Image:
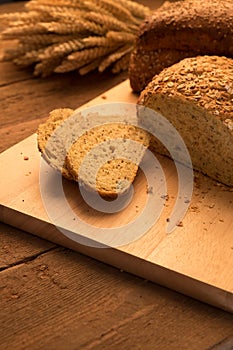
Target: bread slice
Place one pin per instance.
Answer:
(114, 153)
(196, 96)
(178, 30)
(115, 150)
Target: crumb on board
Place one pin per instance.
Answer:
(165, 196)
(25, 158)
(194, 208)
(104, 97)
(180, 224)
(212, 205)
(14, 296)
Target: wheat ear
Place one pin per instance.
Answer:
(58, 36)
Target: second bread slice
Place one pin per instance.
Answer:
(114, 152)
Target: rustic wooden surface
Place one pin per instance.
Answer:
(52, 297)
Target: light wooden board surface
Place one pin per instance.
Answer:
(195, 259)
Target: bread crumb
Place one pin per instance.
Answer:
(180, 224)
(194, 208)
(14, 296)
(165, 196)
(25, 158)
(212, 205)
(43, 267)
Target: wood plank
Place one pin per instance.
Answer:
(52, 302)
(11, 74)
(195, 259)
(16, 248)
(15, 6)
(36, 98)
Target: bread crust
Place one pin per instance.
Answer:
(45, 131)
(178, 30)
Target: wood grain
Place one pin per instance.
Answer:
(17, 248)
(100, 308)
(33, 99)
(57, 305)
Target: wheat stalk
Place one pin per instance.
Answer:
(58, 36)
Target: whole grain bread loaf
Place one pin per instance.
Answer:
(196, 96)
(179, 30)
(114, 149)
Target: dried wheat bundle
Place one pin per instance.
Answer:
(65, 35)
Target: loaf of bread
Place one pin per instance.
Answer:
(196, 96)
(179, 30)
(114, 149)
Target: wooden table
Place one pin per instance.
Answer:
(54, 298)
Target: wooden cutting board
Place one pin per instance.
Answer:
(195, 259)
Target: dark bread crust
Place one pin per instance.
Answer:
(178, 30)
(145, 64)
